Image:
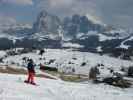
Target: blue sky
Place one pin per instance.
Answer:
(22, 13)
(112, 12)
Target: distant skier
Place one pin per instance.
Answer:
(31, 72)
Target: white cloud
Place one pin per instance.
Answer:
(55, 3)
(112, 12)
(68, 7)
(18, 2)
(7, 20)
(94, 19)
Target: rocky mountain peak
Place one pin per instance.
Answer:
(46, 23)
(43, 13)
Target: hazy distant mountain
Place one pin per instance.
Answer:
(50, 31)
(80, 24)
(46, 23)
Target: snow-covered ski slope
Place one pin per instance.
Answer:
(13, 88)
(68, 59)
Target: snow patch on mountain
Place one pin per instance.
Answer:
(126, 46)
(2, 54)
(119, 33)
(11, 37)
(103, 37)
(43, 36)
(83, 36)
(72, 45)
(99, 49)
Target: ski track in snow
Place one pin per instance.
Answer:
(13, 88)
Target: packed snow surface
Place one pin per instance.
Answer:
(13, 88)
(66, 60)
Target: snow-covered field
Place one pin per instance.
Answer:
(13, 88)
(66, 60)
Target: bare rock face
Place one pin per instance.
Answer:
(94, 71)
(130, 71)
(80, 24)
(46, 23)
(118, 82)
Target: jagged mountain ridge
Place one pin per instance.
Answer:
(49, 30)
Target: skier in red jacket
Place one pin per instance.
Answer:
(31, 72)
